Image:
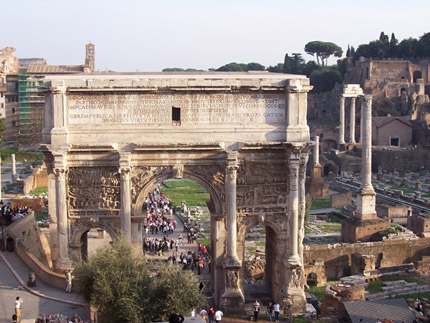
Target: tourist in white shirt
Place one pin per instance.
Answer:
(218, 316)
(276, 309)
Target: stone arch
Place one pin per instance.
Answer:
(417, 75)
(217, 207)
(273, 249)
(80, 227)
(312, 279)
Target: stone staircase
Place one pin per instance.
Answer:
(396, 288)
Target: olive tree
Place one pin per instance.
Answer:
(123, 287)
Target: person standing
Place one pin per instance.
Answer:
(270, 311)
(211, 314)
(218, 316)
(276, 309)
(69, 279)
(256, 306)
(18, 304)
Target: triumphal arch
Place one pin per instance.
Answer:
(109, 138)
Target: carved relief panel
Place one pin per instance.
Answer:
(262, 185)
(93, 191)
(213, 175)
(140, 176)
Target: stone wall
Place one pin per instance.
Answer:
(354, 230)
(36, 204)
(389, 212)
(419, 224)
(338, 257)
(341, 199)
(410, 160)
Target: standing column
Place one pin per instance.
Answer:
(293, 203)
(13, 166)
(125, 202)
(366, 198)
(352, 122)
(366, 159)
(317, 151)
(230, 200)
(63, 261)
(361, 121)
(0, 180)
(342, 121)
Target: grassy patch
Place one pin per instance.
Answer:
(15, 187)
(20, 156)
(39, 191)
(41, 215)
(320, 204)
(328, 228)
(317, 291)
(334, 218)
(185, 190)
(307, 230)
(375, 286)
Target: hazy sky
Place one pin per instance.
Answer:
(149, 35)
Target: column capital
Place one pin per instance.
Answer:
(124, 171)
(60, 172)
(367, 99)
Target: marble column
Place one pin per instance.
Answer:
(352, 122)
(293, 204)
(342, 121)
(232, 298)
(13, 166)
(317, 151)
(366, 208)
(1, 189)
(361, 121)
(125, 202)
(63, 261)
(230, 200)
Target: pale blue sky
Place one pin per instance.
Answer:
(149, 35)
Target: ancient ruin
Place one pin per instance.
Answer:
(108, 139)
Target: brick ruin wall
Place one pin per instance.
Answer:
(337, 258)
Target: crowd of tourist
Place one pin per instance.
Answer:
(10, 215)
(58, 318)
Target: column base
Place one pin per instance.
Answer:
(293, 261)
(233, 301)
(62, 265)
(294, 302)
(231, 262)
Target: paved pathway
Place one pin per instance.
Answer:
(41, 299)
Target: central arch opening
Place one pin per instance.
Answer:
(177, 225)
(92, 240)
(259, 256)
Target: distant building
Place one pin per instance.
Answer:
(24, 104)
(391, 131)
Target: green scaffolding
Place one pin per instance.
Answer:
(29, 97)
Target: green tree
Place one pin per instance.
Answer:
(233, 67)
(255, 67)
(324, 79)
(323, 50)
(279, 68)
(124, 288)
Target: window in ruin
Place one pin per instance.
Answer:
(395, 141)
(176, 116)
(13, 110)
(417, 75)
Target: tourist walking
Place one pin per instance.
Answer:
(256, 306)
(18, 305)
(218, 316)
(276, 309)
(270, 311)
(69, 279)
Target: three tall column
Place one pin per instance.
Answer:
(342, 121)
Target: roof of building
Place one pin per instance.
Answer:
(54, 69)
(24, 62)
(370, 311)
(382, 121)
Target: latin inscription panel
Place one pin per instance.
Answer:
(156, 109)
